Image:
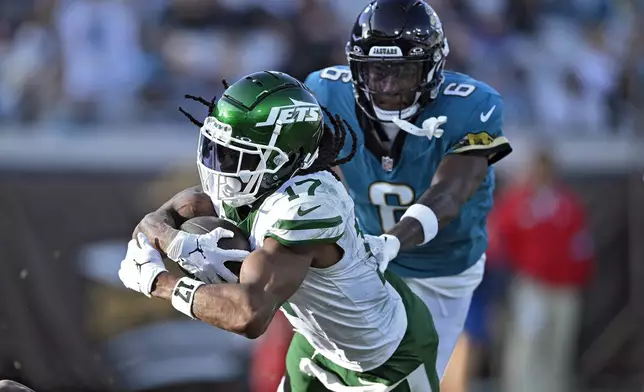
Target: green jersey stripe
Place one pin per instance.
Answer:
(307, 224)
(288, 309)
(285, 242)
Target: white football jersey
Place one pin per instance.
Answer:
(348, 312)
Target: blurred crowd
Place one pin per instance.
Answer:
(565, 67)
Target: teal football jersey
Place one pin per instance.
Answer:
(382, 188)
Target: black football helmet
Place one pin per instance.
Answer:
(396, 53)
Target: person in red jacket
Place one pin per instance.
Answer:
(542, 229)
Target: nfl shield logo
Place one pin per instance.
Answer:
(387, 164)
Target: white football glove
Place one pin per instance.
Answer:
(384, 248)
(430, 128)
(200, 255)
(141, 265)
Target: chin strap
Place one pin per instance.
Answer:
(389, 115)
(430, 128)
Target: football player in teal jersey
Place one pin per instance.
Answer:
(427, 139)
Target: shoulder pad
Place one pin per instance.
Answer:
(475, 114)
(467, 103)
(309, 209)
(457, 85)
(327, 82)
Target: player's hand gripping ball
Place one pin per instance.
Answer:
(218, 248)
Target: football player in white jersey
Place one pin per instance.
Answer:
(264, 159)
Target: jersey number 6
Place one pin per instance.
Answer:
(334, 73)
(459, 89)
(392, 200)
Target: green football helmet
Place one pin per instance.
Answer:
(264, 128)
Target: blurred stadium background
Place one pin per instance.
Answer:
(91, 140)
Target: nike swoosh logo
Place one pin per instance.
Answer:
(302, 212)
(486, 116)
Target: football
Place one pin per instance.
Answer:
(206, 224)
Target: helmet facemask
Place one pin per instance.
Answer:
(392, 87)
(396, 87)
(232, 169)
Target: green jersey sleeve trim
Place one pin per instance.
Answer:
(308, 224)
(286, 242)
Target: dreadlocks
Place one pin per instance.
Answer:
(210, 105)
(331, 144)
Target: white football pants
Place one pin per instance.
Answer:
(448, 299)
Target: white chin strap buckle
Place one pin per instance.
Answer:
(230, 186)
(430, 128)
